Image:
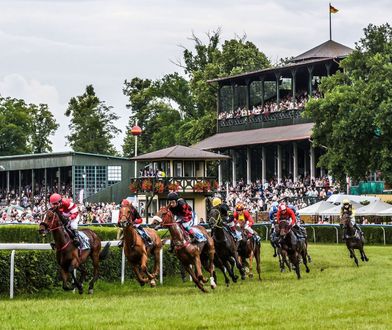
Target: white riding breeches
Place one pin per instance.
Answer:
(74, 223)
(249, 229)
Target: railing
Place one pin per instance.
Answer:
(29, 246)
(336, 227)
(284, 117)
(157, 185)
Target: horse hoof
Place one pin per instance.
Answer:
(80, 291)
(250, 275)
(153, 283)
(90, 291)
(274, 255)
(243, 277)
(282, 270)
(308, 270)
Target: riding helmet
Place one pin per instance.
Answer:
(55, 198)
(216, 201)
(172, 196)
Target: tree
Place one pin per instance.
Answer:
(15, 127)
(353, 120)
(43, 125)
(181, 108)
(91, 128)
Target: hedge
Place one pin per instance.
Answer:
(37, 270)
(29, 233)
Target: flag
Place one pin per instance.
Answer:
(333, 10)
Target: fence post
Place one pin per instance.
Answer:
(12, 272)
(161, 265)
(383, 234)
(266, 232)
(122, 266)
(337, 235)
(314, 234)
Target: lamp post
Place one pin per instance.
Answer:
(136, 131)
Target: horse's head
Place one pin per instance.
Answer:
(345, 219)
(164, 217)
(284, 228)
(214, 218)
(50, 221)
(125, 216)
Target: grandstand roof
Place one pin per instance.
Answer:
(328, 49)
(180, 152)
(257, 136)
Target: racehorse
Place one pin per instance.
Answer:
(68, 256)
(354, 240)
(190, 254)
(292, 247)
(136, 250)
(247, 249)
(225, 247)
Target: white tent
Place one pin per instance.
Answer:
(386, 213)
(314, 209)
(335, 211)
(375, 209)
(337, 198)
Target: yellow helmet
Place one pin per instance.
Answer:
(216, 201)
(346, 201)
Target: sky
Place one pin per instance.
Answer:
(50, 50)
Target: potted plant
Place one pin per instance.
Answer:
(174, 186)
(147, 185)
(134, 186)
(159, 187)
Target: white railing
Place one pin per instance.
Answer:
(42, 246)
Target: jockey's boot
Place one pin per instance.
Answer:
(171, 247)
(257, 238)
(74, 237)
(53, 245)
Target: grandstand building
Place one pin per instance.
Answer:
(260, 122)
(85, 177)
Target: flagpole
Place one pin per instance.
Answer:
(330, 28)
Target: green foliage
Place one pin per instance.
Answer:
(182, 110)
(15, 127)
(353, 121)
(92, 124)
(43, 125)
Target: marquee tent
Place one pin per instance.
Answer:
(316, 208)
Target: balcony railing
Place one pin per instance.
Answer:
(156, 185)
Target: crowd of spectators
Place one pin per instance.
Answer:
(286, 103)
(258, 197)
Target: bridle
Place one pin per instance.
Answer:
(54, 225)
(128, 221)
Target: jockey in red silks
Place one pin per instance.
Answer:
(285, 213)
(136, 222)
(245, 220)
(181, 209)
(69, 214)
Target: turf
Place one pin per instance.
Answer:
(334, 295)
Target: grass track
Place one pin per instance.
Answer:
(334, 295)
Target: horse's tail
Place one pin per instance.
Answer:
(105, 252)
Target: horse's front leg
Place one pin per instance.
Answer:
(363, 255)
(251, 265)
(195, 278)
(352, 255)
(65, 277)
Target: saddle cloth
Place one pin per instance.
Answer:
(84, 241)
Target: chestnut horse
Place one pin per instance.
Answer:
(68, 256)
(293, 248)
(190, 254)
(354, 240)
(247, 249)
(136, 251)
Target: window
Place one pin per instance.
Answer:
(114, 173)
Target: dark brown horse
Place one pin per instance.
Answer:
(354, 239)
(68, 256)
(293, 248)
(191, 254)
(248, 249)
(226, 247)
(136, 250)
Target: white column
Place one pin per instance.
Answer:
(312, 158)
(219, 171)
(248, 166)
(295, 162)
(263, 165)
(233, 165)
(305, 163)
(279, 165)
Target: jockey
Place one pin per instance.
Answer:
(136, 222)
(285, 213)
(181, 209)
(272, 218)
(301, 230)
(347, 208)
(69, 215)
(227, 217)
(244, 219)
